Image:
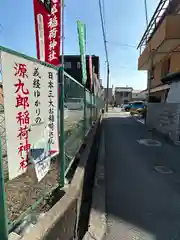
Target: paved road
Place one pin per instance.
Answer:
(141, 202)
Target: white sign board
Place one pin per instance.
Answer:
(31, 104)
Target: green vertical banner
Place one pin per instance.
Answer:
(82, 46)
(81, 28)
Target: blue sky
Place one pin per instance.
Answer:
(125, 24)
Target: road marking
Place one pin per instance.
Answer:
(150, 142)
(163, 170)
(141, 121)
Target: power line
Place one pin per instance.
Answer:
(122, 44)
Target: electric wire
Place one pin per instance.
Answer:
(122, 44)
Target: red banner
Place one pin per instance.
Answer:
(48, 31)
(90, 72)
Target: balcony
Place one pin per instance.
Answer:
(165, 40)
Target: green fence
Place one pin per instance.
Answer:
(23, 195)
(74, 120)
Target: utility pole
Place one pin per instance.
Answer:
(107, 97)
(149, 75)
(106, 52)
(146, 12)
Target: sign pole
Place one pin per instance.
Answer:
(91, 106)
(91, 101)
(62, 139)
(85, 107)
(3, 215)
(61, 81)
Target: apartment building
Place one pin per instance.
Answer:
(123, 95)
(138, 95)
(160, 48)
(72, 65)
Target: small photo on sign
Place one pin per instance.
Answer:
(40, 152)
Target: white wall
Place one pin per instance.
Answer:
(174, 93)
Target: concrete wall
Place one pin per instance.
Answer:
(165, 118)
(157, 75)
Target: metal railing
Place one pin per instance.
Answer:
(24, 195)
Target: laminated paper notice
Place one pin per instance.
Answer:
(40, 154)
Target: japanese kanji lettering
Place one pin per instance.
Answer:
(20, 87)
(53, 30)
(22, 117)
(37, 94)
(22, 101)
(53, 22)
(51, 108)
(21, 70)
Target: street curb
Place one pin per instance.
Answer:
(97, 219)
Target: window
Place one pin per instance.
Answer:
(78, 65)
(67, 65)
(126, 94)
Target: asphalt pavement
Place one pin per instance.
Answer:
(142, 175)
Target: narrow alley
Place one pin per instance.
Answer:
(142, 181)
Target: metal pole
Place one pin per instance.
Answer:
(151, 67)
(62, 138)
(85, 115)
(91, 108)
(150, 75)
(146, 12)
(61, 80)
(107, 97)
(3, 212)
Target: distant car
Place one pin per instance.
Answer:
(125, 107)
(136, 107)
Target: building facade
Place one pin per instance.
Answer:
(122, 95)
(160, 48)
(72, 65)
(138, 95)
